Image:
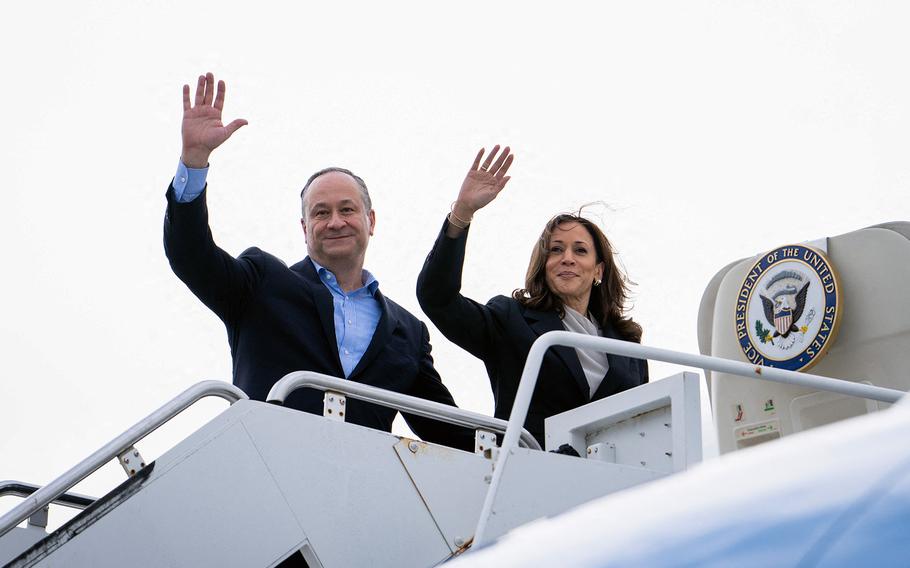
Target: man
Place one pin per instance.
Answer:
(323, 314)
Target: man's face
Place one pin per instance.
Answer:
(335, 223)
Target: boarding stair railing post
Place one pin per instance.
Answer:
(39, 517)
(401, 402)
(637, 351)
(116, 447)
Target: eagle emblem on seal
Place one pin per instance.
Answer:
(784, 308)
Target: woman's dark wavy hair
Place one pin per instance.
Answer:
(608, 301)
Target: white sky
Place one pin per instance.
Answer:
(714, 130)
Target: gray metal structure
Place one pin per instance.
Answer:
(617, 347)
(20, 539)
(260, 482)
(401, 402)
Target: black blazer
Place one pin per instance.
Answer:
(281, 319)
(501, 333)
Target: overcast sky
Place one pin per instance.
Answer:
(713, 130)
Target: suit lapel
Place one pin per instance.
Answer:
(325, 306)
(542, 322)
(617, 364)
(380, 337)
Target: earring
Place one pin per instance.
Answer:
(597, 281)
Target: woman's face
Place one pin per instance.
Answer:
(572, 265)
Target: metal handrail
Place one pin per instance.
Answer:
(23, 489)
(629, 349)
(398, 401)
(115, 447)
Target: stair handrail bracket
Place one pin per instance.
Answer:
(637, 351)
(401, 402)
(115, 447)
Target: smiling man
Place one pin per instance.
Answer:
(325, 313)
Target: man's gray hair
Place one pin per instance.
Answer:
(364, 193)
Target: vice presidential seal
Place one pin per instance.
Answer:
(788, 308)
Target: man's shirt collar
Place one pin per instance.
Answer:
(328, 278)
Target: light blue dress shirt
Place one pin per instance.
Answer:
(356, 316)
(189, 182)
(357, 312)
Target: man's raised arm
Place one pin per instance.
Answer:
(213, 275)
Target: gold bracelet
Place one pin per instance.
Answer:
(461, 223)
(453, 222)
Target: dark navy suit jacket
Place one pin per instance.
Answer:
(281, 319)
(501, 332)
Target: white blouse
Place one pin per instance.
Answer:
(594, 363)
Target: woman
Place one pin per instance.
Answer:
(572, 284)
